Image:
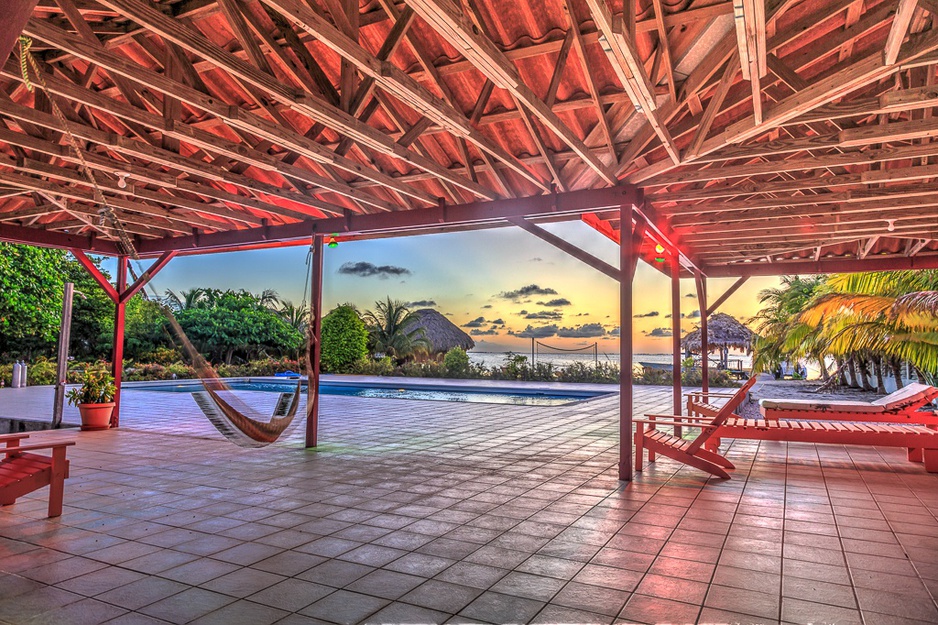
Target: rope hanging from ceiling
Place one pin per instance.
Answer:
(236, 421)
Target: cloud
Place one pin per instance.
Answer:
(487, 306)
(694, 315)
(538, 333)
(475, 323)
(690, 295)
(363, 269)
(478, 332)
(498, 321)
(527, 291)
(536, 259)
(614, 331)
(668, 316)
(560, 301)
(653, 313)
(522, 312)
(585, 331)
(423, 303)
(660, 332)
(545, 314)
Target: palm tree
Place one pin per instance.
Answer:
(185, 300)
(388, 325)
(889, 314)
(296, 316)
(782, 336)
(269, 299)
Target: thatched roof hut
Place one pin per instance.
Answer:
(442, 334)
(723, 333)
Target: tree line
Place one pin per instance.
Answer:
(867, 325)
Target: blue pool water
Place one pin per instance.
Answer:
(432, 393)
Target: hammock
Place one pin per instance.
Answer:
(231, 417)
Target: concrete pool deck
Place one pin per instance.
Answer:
(418, 511)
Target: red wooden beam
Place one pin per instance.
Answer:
(59, 240)
(571, 249)
(627, 260)
(15, 15)
(117, 361)
(701, 281)
(726, 294)
(824, 265)
(146, 276)
(676, 338)
(99, 277)
(315, 320)
(476, 215)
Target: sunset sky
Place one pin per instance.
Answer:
(495, 284)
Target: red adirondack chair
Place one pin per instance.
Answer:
(690, 452)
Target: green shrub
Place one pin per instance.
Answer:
(161, 356)
(456, 363)
(41, 371)
(344, 340)
(367, 366)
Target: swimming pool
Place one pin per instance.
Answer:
(430, 392)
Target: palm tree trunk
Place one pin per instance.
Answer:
(841, 371)
(852, 373)
(878, 369)
(896, 367)
(865, 383)
(822, 365)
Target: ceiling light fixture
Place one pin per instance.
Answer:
(890, 225)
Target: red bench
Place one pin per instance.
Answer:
(22, 471)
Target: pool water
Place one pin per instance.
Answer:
(432, 393)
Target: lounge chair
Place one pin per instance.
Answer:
(22, 471)
(693, 453)
(901, 406)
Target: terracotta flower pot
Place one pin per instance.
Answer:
(95, 416)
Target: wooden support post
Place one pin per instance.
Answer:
(726, 295)
(118, 358)
(704, 337)
(61, 364)
(626, 254)
(676, 338)
(315, 348)
(15, 15)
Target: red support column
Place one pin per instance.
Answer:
(315, 320)
(676, 335)
(626, 258)
(118, 359)
(704, 337)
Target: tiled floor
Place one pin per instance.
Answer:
(415, 512)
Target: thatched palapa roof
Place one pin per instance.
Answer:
(442, 334)
(723, 331)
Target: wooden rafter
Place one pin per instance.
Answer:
(456, 28)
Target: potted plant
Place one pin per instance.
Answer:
(95, 399)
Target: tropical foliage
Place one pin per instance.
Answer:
(226, 323)
(344, 339)
(866, 322)
(391, 325)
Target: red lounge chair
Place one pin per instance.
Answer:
(22, 471)
(901, 406)
(656, 441)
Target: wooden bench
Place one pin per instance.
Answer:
(22, 471)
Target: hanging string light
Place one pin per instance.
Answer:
(659, 253)
(332, 242)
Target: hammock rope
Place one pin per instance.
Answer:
(229, 416)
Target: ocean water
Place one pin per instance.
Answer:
(492, 359)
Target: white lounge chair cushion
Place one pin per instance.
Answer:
(814, 405)
(908, 395)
